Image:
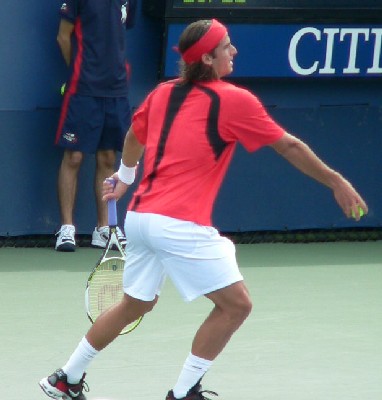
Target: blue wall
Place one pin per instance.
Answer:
(340, 119)
(31, 72)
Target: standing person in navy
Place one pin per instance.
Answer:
(95, 113)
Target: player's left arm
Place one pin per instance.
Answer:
(301, 156)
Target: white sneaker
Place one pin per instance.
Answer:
(100, 236)
(65, 240)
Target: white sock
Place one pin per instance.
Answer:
(79, 361)
(193, 370)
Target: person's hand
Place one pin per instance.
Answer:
(349, 200)
(113, 188)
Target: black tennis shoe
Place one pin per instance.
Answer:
(56, 386)
(195, 393)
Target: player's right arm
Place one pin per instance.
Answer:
(131, 154)
(132, 149)
(65, 31)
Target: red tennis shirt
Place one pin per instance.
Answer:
(190, 133)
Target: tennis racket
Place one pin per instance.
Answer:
(104, 286)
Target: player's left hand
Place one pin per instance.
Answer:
(349, 199)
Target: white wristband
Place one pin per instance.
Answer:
(126, 174)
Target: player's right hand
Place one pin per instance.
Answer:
(113, 188)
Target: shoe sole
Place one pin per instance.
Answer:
(98, 244)
(66, 247)
(51, 391)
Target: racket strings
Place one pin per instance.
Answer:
(106, 287)
(105, 284)
(108, 295)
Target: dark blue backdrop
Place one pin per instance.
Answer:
(340, 119)
(264, 50)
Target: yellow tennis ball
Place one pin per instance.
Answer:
(361, 213)
(63, 87)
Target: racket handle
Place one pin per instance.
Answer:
(112, 207)
(112, 212)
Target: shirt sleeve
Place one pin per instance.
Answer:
(140, 120)
(248, 122)
(69, 10)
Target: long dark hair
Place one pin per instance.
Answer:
(197, 71)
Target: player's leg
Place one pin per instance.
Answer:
(69, 380)
(67, 190)
(145, 273)
(232, 307)
(109, 324)
(201, 262)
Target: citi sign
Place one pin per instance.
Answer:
(336, 51)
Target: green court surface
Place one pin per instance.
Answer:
(315, 332)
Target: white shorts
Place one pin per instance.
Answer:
(196, 258)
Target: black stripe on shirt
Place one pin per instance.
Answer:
(177, 97)
(217, 143)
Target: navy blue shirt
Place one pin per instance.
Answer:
(98, 64)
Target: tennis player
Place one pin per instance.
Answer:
(188, 128)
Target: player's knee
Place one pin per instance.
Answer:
(140, 307)
(151, 304)
(244, 308)
(239, 309)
